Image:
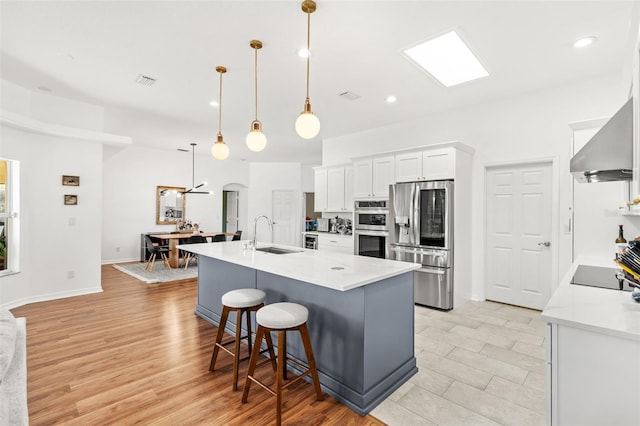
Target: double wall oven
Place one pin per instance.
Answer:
(421, 231)
(370, 228)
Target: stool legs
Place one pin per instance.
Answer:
(282, 365)
(236, 352)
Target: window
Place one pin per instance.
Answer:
(9, 225)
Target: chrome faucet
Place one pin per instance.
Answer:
(255, 224)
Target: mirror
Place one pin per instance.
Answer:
(170, 205)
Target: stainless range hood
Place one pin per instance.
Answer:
(608, 154)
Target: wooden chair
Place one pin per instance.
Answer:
(237, 236)
(194, 239)
(154, 250)
(218, 238)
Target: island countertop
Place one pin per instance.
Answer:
(603, 310)
(337, 271)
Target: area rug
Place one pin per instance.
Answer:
(160, 273)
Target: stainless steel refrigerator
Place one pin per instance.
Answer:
(421, 231)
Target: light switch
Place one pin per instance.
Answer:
(72, 221)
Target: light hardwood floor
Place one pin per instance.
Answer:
(136, 353)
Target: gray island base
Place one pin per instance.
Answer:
(363, 338)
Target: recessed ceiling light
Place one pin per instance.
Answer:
(214, 103)
(391, 99)
(303, 53)
(585, 41)
(448, 59)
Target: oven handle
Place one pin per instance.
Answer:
(431, 271)
(372, 233)
(417, 251)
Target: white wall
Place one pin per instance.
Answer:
(528, 127)
(131, 175)
(266, 178)
(50, 247)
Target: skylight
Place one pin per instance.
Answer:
(448, 59)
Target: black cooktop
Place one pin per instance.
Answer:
(598, 276)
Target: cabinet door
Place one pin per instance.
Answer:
(408, 167)
(348, 189)
(362, 179)
(438, 164)
(382, 176)
(320, 190)
(335, 189)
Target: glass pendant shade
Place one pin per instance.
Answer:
(220, 150)
(256, 140)
(307, 125)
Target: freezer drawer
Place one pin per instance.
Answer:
(433, 287)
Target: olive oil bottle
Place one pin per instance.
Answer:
(621, 242)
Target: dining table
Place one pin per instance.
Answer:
(174, 239)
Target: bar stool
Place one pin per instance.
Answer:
(280, 318)
(240, 301)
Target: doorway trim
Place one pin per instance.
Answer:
(555, 215)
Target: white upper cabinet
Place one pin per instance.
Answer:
(333, 189)
(430, 164)
(320, 190)
(372, 177)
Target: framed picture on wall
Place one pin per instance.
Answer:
(70, 200)
(70, 180)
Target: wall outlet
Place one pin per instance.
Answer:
(71, 274)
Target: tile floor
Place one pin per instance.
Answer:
(479, 364)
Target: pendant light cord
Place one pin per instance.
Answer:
(255, 49)
(308, 49)
(220, 108)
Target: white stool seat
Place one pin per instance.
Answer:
(243, 298)
(282, 315)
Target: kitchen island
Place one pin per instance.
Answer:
(360, 311)
(593, 355)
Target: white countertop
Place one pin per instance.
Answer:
(338, 271)
(595, 309)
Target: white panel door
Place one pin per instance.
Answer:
(518, 226)
(283, 205)
(232, 211)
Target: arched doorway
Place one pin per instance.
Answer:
(234, 207)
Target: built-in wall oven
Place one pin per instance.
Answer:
(370, 228)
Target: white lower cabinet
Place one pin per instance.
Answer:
(335, 243)
(592, 378)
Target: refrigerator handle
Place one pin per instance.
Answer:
(415, 201)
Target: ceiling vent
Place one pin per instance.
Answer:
(143, 80)
(349, 95)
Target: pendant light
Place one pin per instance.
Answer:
(256, 140)
(307, 124)
(220, 150)
(194, 187)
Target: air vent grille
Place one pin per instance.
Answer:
(349, 95)
(143, 80)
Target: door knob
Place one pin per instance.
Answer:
(546, 244)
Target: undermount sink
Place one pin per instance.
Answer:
(277, 250)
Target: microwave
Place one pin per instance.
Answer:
(371, 215)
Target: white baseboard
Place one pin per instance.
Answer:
(50, 296)
(111, 262)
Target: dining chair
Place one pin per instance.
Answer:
(154, 250)
(194, 239)
(218, 238)
(237, 236)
